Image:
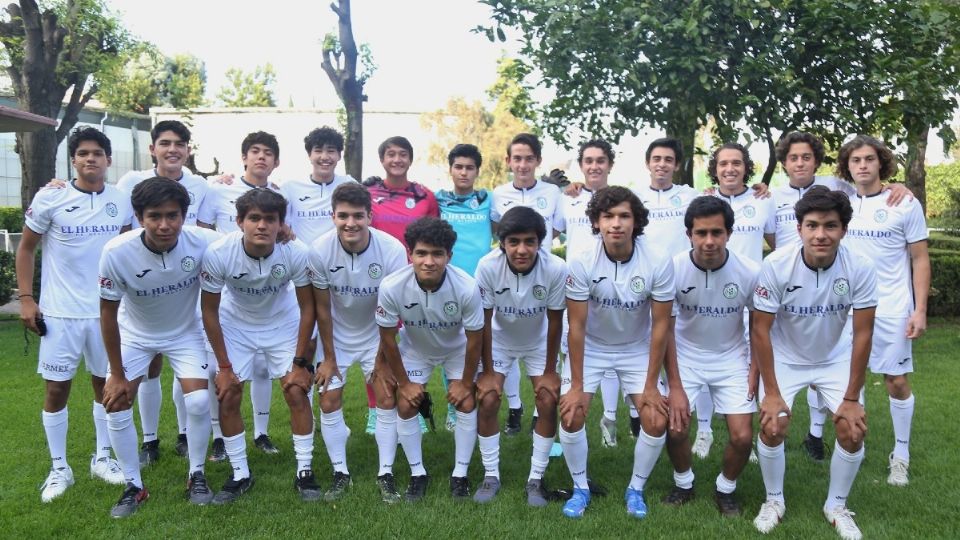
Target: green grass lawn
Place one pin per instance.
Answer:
(925, 509)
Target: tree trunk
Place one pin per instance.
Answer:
(353, 145)
(38, 151)
(771, 160)
(915, 174)
(683, 127)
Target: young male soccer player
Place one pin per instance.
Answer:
(619, 300)
(170, 150)
(714, 286)
(248, 307)
(801, 154)
(260, 153)
(347, 266)
(524, 155)
(895, 238)
(156, 272)
(595, 158)
(729, 169)
(802, 300)
(72, 225)
(439, 306)
(467, 210)
(523, 290)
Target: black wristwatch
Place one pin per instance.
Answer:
(303, 362)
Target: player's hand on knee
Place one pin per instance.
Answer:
(771, 409)
(855, 417)
(571, 406)
(299, 377)
(487, 384)
(651, 397)
(116, 394)
(326, 372)
(226, 381)
(548, 387)
(412, 393)
(458, 391)
(679, 407)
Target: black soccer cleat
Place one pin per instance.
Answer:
(513, 422)
(813, 446)
(233, 490)
(459, 487)
(388, 489)
(265, 445)
(727, 504)
(131, 499)
(417, 489)
(149, 452)
(679, 496)
(218, 451)
(307, 486)
(341, 482)
(181, 446)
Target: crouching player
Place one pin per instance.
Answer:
(714, 285)
(156, 272)
(619, 300)
(442, 317)
(251, 273)
(523, 291)
(802, 299)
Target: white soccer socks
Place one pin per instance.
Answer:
(575, 452)
(411, 438)
(465, 439)
(540, 457)
(335, 433)
(55, 425)
(387, 437)
(102, 432)
(646, 451)
(843, 471)
(261, 392)
(236, 447)
(197, 405)
(123, 438)
(773, 466)
(149, 398)
(901, 412)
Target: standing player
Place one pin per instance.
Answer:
(714, 286)
(596, 160)
(72, 226)
(524, 155)
(523, 292)
(801, 154)
(259, 313)
(156, 272)
(619, 299)
(347, 266)
(170, 150)
(895, 238)
(803, 297)
(467, 210)
(260, 153)
(442, 316)
(729, 169)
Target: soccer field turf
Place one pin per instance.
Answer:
(927, 508)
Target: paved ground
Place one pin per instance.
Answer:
(13, 308)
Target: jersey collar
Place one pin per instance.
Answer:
(664, 190)
(535, 182)
(254, 186)
(143, 240)
(443, 279)
(871, 195)
(362, 251)
(735, 195)
(157, 173)
(81, 190)
(717, 269)
(536, 261)
(254, 257)
(633, 251)
(818, 270)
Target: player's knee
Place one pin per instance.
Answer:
(769, 438)
(654, 422)
(406, 410)
(197, 402)
(58, 392)
(545, 400)
(897, 386)
(490, 401)
(741, 438)
(330, 401)
(575, 424)
(467, 405)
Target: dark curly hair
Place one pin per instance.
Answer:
(888, 163)
(706, 206)
(747, 162)
(603, 145)
(353, 194)
(606, 198)
(324, 136)
(431, 231)
(156, 191)
(794, 137)
(88, 134)
(822, 199)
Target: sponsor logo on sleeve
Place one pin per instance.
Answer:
(106, 283)
(761, 291)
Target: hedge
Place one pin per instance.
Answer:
(11, 218)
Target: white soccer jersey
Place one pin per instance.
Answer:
(255, 290)
(159, 290)
(433, 322)
(76, 225)
(667, 208)
(520, 301)
(311, 213)
(752, 218)
(619, 294)
(576, 224)
(542, 197)
(219, 207)
(709, 328)
(882, 233)
(196, 187)
(785, 197)
(812, 304)
(354, 280)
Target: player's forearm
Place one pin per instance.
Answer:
(554, 334)
(486, 352)
(670, 363)
(762, 355)
(660, 336)
(575, 348)
(862, 344)
(471, 357)
(921, 281)
(391, 352)
(307, 320)
(110, 331)
(324, 321)
(25, 268)
(210, 315)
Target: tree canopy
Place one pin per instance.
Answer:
(249, 88)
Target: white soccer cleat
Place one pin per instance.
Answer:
(842, 519)
(608, 432)
(898, 471)
(753, 456)
(56, 483)
(770, 515)
(701, 447)
(108, 470)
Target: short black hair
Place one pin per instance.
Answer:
(822, 199)
(260, 137)
(175, 126)
(324, 136)
(265, 199)
(398, 141)
(431, 231)
(606, 198)
(596, 143)
(744, 153)
(156, 191)
(706, 206)
(88, 134)
(353, 194)
(465, 151)
(530, 140)
(888, 163)
(666, 142)
(796, 137)
(521, 219)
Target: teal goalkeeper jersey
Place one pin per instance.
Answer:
(469, 215)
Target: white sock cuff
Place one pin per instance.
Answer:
(768, 451)
(468, 420)
(408, 426)
(854, 457)
(232, 438)
(332, 418)
(387, 415)
(683, 479)
(55, 418)
(99, 411)
(119, 420)
(902, 403)
(725, 485)
(540, 439)
(649, 440)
